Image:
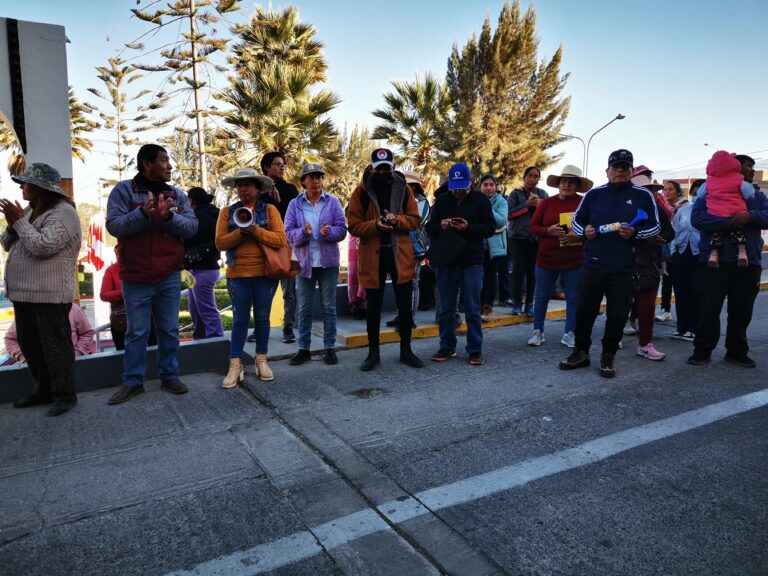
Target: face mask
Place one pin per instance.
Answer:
(381, 180)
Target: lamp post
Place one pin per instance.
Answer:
(586, 153)
(583, 150)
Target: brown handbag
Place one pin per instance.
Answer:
(278, 263)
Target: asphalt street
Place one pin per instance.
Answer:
(514, 467)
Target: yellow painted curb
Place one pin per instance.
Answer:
(390, 335)
(6, 313)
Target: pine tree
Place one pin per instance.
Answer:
(185, 57)
(508, 108)
(121, 118)
(274, 92)
(414, 123)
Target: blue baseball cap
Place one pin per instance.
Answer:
(459, 177)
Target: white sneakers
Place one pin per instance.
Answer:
(664, 317)
(537, 339)
(650, 352)
(569, 339)
(631, 328)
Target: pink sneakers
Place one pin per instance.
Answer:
(650, 352)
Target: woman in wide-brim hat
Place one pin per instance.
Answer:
(561, 252)
(314, 225)
(248, 285)
(43, 241)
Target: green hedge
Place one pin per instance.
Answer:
(226, 321)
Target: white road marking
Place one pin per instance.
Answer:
(303, 545)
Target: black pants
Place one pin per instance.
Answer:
(375, 298)
(740, 286)
(617, 289)
(504, 293)
(45, 339)
(427, 287)
(666, 288)
(685, 269)
(523, 266)
(492, 269)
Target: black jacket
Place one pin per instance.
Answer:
(201, 247)
(476, 210)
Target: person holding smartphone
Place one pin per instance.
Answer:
(467, 213)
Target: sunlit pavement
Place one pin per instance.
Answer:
(514, 467)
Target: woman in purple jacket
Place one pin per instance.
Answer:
(314, 225)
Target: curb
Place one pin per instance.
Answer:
(390, 335)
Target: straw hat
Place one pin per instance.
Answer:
(265, 182)
(570, 171)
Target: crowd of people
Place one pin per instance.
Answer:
(619, 242)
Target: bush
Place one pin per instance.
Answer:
(221, 296)
(86, 288)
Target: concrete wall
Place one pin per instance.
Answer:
(44, 83)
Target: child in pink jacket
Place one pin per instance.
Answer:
(726, 194)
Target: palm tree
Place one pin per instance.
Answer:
(414, 122)
(274, 96)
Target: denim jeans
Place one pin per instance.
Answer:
(146, 302)
(246, 293)
(470, 279)
(545, 284)
(202, 305)
(326, 279)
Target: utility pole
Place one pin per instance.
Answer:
(198, 118)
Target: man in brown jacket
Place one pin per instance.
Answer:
(382, 212)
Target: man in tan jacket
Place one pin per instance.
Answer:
(382, 212)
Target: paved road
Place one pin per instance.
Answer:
(510, 468)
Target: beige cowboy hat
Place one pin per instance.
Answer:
(646, 182)
(265, 182)
(412, 177)
(570, 171)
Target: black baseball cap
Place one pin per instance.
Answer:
(382, 156)
(621, 157)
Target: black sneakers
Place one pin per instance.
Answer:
(300, 357)
(608, 365)
(60, 408)
(476, 359)
(288, 336)
(577, 359)
(330, 356)
(443, 354)
(699, 358)
(32, 400)
(740, 359)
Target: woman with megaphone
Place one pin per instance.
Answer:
(243, 228)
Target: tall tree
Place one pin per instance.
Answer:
(121, 119)
(275, 94)
(185, 57)
(414, 122)
(508, 107)
(80, 126)
(354, 150)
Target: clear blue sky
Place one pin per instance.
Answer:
(683, 72)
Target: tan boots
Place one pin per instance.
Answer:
(262, 368)
(236, 373)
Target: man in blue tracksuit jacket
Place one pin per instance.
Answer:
(609, 258)
(739, 284)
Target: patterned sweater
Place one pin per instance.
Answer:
(42, 256)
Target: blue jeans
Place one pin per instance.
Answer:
(147, 302)
(471, 281)
(245, 293)
(326, 279)
(545, 284)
